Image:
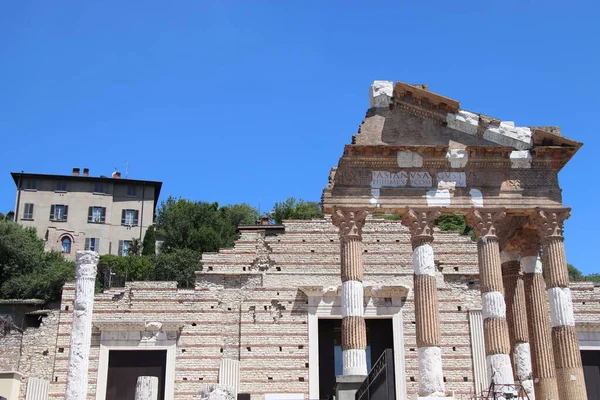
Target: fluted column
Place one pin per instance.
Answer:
(516, 317)
(354, 331)
(81, 329)
(569, 370)
(538, 321)
(431, 378)
(495, 328)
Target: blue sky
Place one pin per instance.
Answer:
(253, 101)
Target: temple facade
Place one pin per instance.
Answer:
(293, 307)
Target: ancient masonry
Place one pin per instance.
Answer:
(462, 313)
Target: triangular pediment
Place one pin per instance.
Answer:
(417, 148)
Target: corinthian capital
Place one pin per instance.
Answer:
(350, 222)
(485, 221)
(550, 221)
(420, 221)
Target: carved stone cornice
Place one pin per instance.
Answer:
(485, 221)
(420, 222)
(527, 240)
(350, 222)
(550, 221)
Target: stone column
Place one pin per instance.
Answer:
(354, 335)
(569, 371)
(495, 328)
(81, 329)
(538, 321)
(431, 378)
(516, 316)
(146, 388)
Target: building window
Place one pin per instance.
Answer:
(97, 215)
(129, 217)
(30, 184)
(131, 190)
(61, 186)
(92, 244)
(99, 187)
(66, 244)
(58, 212)
(124, 247)
(28, 211)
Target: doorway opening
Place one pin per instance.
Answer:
(379, 337)
(591, 373)
(125, 366)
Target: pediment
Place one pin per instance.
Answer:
(417, 148)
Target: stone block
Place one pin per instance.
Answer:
(346, 386)
(381, 93)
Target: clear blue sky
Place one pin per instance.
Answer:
(254, 100)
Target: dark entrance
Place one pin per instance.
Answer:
(591, 372)
(125, 366)
(379, 337)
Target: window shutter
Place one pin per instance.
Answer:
(66, 212)
(135, 221)
(103, 216)
(89, 215)
(51, 212)
(31, 210)
(122, 223)
(97, 245)
(120, 248)
(87, 243)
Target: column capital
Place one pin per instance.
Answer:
(550, 221)
(527, 240)
(420, 222)
(485, 221)
(350, 222)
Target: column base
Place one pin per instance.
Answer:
(347, 385)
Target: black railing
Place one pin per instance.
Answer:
(380, 383)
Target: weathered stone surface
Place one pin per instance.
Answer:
(216, 392)
(520, 159)
(146, 388)
(381, 93)
(81, 331)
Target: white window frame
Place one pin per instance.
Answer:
(28, 215)
(95, 246)
(130, 217)
(119, 336)
(319, 308)
(98, 220)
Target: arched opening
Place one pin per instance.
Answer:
(66, 244)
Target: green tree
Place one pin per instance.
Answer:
(292, 209)
(120, 269)
(149, 243)
(135, 247)
(21, 250)
(200, 226)
(593, 277)
(452, 223)
(178, 265)
(45, 282)
(574, 274)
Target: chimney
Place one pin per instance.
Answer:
(86, 172)
(116, 175)
(75, 171)
(265, 220)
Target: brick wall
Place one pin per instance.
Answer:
(247, 304)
